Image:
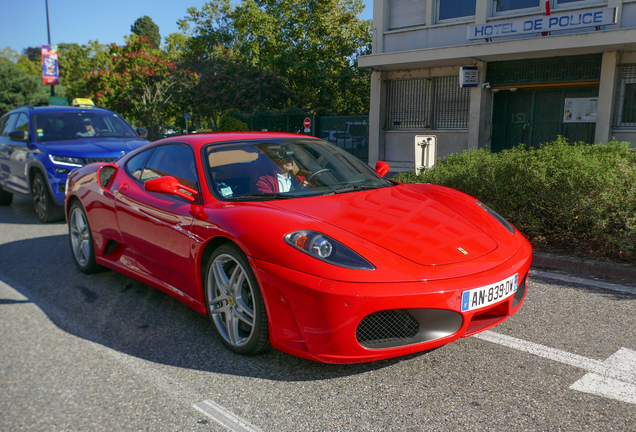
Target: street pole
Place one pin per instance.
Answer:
(48, 30)
(261, 39)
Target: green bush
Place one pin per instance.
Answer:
(227, 122)
(574, 198)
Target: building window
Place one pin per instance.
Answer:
(427, 103)
(625, 114)
(451, 104)
(511, 5)
(408, 104)
(406, 13)
(447, 10)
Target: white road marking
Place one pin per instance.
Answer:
(225, 417)
(614, 378)
(583, 281)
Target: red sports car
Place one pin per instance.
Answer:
(286, 240)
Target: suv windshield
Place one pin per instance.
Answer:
(79, 124)
(285, 168)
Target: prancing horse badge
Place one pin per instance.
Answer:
(462, 251)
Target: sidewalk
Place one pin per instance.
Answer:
(585, 267)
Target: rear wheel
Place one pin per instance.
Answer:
(235, 303)
(81, 239)
(5, 197)
(45, 206)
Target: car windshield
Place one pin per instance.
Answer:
(285, 168)
(79, 124)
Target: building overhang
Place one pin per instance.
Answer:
(537, 47)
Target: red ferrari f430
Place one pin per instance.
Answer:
(287, 241)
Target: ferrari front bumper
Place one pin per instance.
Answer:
(348, 322)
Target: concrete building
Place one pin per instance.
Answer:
(533, 69)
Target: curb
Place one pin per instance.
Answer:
(584, 266)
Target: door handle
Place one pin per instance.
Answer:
(123, 187)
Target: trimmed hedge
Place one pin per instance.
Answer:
(573, 198)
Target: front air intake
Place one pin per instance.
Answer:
(399, 327)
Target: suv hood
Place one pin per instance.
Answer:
(92, 147)
(406, 222)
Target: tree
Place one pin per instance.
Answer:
(142, 84)
(313, 45)
(18, 88)
(145, 26)
(228, 81)
(76, 61)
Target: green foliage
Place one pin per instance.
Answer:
(227, 122)
(18, 88)
(577, 198)
(145, 26)
(76, 61)
(228, 81)
(312, 45)
(141, 83)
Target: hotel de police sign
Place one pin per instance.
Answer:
(588, 18)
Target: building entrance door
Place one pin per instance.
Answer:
(535, 116)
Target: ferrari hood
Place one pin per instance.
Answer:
(92, 147)
(405, 221)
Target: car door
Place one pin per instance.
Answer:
(13, 154)
(157, 226)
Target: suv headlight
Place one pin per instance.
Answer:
(327, 249)
(67, 161)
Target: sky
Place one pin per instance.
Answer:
(23, 22)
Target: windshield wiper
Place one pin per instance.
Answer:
(262, 195)
(350, 188)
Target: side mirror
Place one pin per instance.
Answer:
(382, 168)
(171, 186)
(18, 135)
(142, 132)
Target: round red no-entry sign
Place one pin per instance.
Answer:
(307, 123)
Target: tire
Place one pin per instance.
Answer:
(81, 240)
(45, 207)
(5, 197)
(235, 303)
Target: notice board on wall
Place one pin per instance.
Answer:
(580, 110)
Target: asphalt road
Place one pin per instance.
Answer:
(105, 352)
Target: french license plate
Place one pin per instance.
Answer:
(485, 296)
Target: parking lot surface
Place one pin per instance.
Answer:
(105, 352)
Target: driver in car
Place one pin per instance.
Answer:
(89, 129)
(281, 179)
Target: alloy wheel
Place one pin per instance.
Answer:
(231, 300)
(80, 237)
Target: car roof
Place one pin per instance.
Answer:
(56, 108)
(199, 140)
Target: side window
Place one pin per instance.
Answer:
(510, 5)
(174, 160)
(9, 121)
(136, 164)
(22, 124)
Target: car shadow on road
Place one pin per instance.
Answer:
(135, 319)
(22, 212)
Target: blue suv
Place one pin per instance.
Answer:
(39, 146)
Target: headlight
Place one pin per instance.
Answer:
(497, 216)
(66, 161)
(327, 249)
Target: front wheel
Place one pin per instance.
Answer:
(45, 207)
(235, 303)
(81, 238)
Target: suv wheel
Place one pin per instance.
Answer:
(45, 207)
